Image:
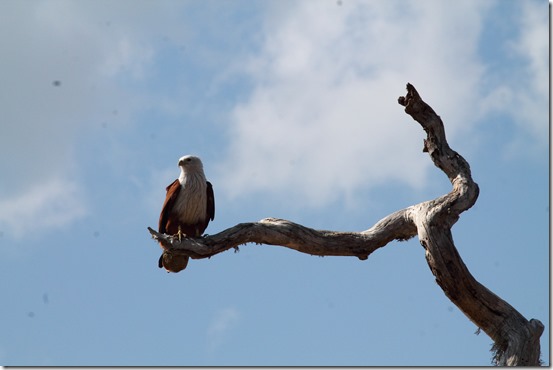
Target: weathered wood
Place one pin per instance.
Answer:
(516, 340)
(274, 231)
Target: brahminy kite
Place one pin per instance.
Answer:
(188, 207)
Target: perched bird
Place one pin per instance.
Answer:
(188, 207)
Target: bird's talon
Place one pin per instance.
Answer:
(180, 234)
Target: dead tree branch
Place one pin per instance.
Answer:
(516, 340)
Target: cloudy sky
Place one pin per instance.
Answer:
(292, 105)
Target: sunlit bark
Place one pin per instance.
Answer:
(516, 340)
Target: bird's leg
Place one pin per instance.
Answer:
(180, 234)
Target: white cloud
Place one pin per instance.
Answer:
(46, 204)
(522, 92)
(531, 96)
(323, 121)
(322, 118)
(223, 321)
(534, 44)
(62, 68)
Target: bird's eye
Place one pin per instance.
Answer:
(188, 159)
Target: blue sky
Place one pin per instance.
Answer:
(292, 105)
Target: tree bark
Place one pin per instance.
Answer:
(516, 340)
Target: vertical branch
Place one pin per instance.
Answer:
(516, 339)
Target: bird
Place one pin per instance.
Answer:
(188, 207)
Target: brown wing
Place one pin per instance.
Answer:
(199, 228)
(165, 216)
(169, 225)
(210, 203)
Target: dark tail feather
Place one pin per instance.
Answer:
(173, 263)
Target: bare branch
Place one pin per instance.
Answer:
(516, 339)
(273, 231)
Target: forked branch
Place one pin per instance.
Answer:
(516, 340)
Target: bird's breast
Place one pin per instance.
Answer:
(191, 204)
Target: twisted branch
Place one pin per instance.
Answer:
(516, 340)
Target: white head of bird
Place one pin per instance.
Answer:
(190, 165)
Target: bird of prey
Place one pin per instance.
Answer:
(188, 207)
